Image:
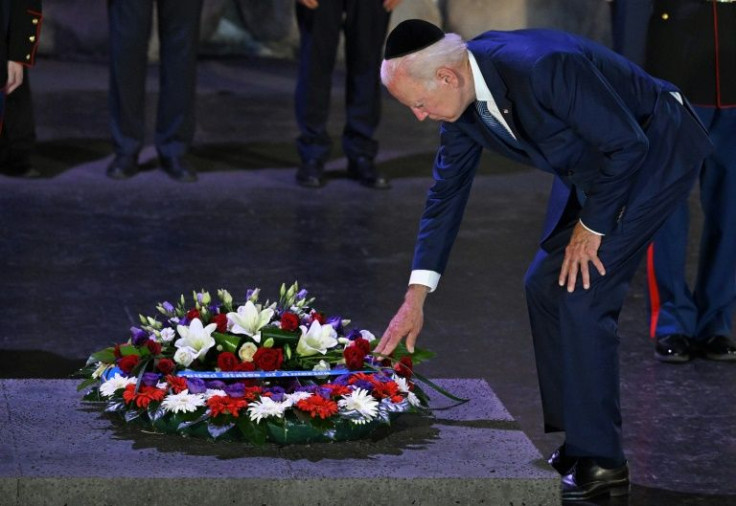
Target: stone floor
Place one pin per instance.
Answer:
(83, 255)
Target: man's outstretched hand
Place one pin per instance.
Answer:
(406, 323)
(582, 249)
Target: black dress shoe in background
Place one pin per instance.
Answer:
(673, 348)
(122, 167)
(310, 174)
(719, 348)
(562, 463)
(588, 480)
(175, 167)
(364, 170)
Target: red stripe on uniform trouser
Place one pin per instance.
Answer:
(653, 292)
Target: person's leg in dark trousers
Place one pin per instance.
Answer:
(715, 286)
(18, 134)
(366, 23)
(575, 334)
(319, 31)
(178, 29)
(130, 29)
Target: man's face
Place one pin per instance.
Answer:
(443, 102)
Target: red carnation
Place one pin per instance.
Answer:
(363, 344)
(153, 347)
(353, 357)
(178, 384)
(319, 317)
(404, 367)
(220, 404)
(166, 366)
(144, 397)
(227, 361)
(268, 359)
(289, 321)
(128, 363)
(192, 314)
(318, 406)
(221, 321)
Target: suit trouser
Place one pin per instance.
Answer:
(365, 23)
(130, 28)
(707, 310)
(19, 128)
(575, 334)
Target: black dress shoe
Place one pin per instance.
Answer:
(123, 167)
(588, 480)
(673, 348)
(364, 170)
(719, 348)
(561, 462)
(311, 174)
(175, 167)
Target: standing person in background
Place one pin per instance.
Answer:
(692, 43)
(364, 23)
(130, 28)
(20, 21)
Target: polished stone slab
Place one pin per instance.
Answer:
(57, 450)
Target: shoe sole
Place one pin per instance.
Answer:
(613, 491)
(721, 358)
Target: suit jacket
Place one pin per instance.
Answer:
(581, 112)
(20, 22)
(702, 35)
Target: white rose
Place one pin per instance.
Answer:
(247, 351)
(185, 356)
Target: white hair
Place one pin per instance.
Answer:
(422, 65)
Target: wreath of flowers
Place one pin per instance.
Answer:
(280, 371)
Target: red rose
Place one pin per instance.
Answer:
(153, 347)
(116, 351)
(268, 359)
(353, 357)
(192, 314)
(404, 367)
(166, 365)
(289, 321)
(245, 367)
(221, 321)
(227, 361)
(363, 344)
(318, 317)
(128, 363)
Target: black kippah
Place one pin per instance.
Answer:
(410, 36)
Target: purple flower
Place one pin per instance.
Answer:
(216, 385)
(323, 392)
(168, 307)
(235, 390)
(196, 385)
(336, 323)
(249, 293)
(365, 385)
(150, 379)
(301, 294)
(354, 334)
(140, 336)
(306, 388)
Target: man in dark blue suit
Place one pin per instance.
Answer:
(625, 149)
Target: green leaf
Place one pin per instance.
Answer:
(107, 356)
(280, 337)
(253, 432)
(229, 342)
(86, 383)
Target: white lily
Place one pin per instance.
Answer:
(317, 339)
(197, 337)
(249, 320)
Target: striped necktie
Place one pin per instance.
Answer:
(496, 127)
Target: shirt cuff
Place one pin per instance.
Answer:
(590, 229)
(427, 278)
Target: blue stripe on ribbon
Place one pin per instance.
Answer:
(263, 374)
